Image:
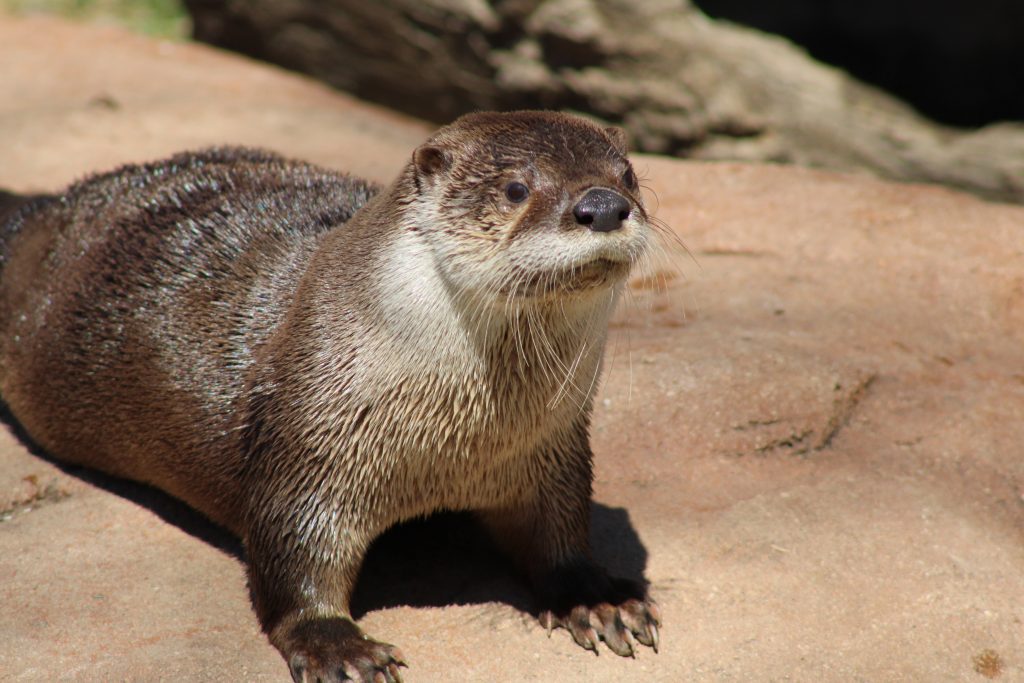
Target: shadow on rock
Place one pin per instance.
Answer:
(166, 507)
(445, 559)
(448, 559)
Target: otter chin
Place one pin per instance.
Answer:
(308, 358)
(596, 275)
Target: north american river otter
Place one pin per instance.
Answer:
(309, 359)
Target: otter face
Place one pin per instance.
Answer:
(529, 205)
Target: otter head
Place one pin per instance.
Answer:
(533, 206)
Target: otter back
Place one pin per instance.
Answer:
(157, 283)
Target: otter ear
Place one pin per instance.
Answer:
(618, 138)
(430, 159)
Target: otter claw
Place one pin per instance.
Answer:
(620, 627)
(587, 639)
(334, 649)
(547, 620)
(654, 611)
(580, 597)
(386, 676)
(397, 658)
(614, 631)
(630, 643)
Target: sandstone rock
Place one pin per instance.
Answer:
(679, 82)
(808, 440)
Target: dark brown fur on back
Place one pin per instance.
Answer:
(144, 293)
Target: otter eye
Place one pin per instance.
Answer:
(629, 178)
(517, 192)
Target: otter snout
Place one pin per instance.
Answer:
(602, 210)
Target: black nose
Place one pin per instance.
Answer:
(602, 210)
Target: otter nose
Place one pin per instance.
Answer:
(602, 210)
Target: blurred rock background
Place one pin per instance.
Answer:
(680, 82)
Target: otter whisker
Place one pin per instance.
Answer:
(612, 298)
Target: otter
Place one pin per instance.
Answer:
(309, 359)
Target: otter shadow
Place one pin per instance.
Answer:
(445, 559)
(448, 559)
(165, 507)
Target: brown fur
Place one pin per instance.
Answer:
(308, 361)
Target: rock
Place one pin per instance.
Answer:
(61, 120)
(808, 439)
(680, 83)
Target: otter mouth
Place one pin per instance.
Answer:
(598, 273)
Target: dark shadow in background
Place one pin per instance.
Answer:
(446, 559)
(958, 62)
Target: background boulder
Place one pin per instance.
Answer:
(679, 82)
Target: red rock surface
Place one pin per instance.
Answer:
(811, 440)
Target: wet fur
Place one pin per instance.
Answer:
(308, 359)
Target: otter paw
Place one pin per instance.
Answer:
(331, 650)
(620, 626)
(580, 597)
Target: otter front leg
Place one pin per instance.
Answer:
(547, 532)
(302, 568)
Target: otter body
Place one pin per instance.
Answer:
(309, 359)
(133, 305)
